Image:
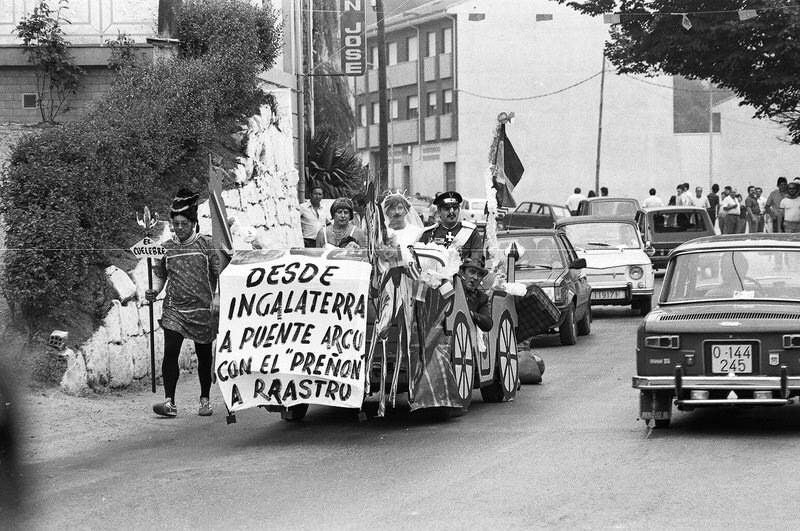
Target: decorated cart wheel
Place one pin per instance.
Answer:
(507, 357)
(462, 356)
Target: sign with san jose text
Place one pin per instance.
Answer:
(353, 36)
(292, 330)
(147, 247)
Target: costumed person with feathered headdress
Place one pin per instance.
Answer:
(190, 268)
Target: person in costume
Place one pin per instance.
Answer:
(472, 273)
(190, 268)
(342, 232)
(450, 230)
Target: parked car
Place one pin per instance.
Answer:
(725, 332)
(665, 228)
(609, 206)
(530, 215)
(548, 260)
(617, 266)
(473, 210)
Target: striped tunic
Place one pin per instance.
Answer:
(191, 270)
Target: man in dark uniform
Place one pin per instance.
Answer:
(472, 272)
(451, 230)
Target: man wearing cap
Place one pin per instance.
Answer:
(451, 230)
(472, 273)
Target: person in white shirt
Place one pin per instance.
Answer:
(313, 217)
(728, 211)
(699, 200)
(682, 198)
(789, 211)
(574, 200)
(652, 200)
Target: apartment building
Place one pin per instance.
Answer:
(454, 65)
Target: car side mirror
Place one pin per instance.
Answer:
(648, 248)
(579, 263)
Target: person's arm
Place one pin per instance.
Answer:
(321, 237)
(482, 317)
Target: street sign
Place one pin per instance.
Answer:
(147, 248)
(354, 37)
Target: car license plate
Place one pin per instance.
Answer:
(732, 358)
(608, 294)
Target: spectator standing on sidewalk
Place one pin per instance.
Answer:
(774, 204)
(574, 200)
(789, 211)
(741, 222)
(762, 205)
(713, 203)
(190, 270)
(755, 219)
(652, 200)
(728, 212)
(313, 217)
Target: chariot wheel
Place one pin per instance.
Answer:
(462, 357)
(507, 357)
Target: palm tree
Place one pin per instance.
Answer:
(334, 165)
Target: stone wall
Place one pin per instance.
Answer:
(262, 212)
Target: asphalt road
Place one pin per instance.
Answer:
(569, 453)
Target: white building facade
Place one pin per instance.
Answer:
(542, 61)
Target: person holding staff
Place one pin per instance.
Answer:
(190, 270)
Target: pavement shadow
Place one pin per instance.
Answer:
(753, 422)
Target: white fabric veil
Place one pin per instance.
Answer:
(413, 223)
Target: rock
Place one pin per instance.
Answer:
(121, 283)
(129, 320)
(531, 367)
(139, 347)
(95, 352)
(113, 324)
(74, 380)
(187, 359)
(120, 366)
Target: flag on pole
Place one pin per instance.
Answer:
(508, 170)
(221, 237)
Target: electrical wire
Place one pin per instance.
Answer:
(536, 96)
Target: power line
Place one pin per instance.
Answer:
(536, 96)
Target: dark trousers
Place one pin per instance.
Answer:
(310, 242)
(169, 367)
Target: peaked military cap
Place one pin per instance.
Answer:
(448, 198)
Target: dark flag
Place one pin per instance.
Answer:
(508, 170)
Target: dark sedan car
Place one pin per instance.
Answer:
(665, 228)
(727, 328)
(548, 260)
(530, 215)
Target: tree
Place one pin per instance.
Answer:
(334, 165)
(756, 58)
(57, 76)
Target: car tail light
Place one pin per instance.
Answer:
(762, 395)
(791, 341)
(698, 394)
(671, 342)
(636, 272)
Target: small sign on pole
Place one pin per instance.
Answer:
(146, 247)
(353, 37)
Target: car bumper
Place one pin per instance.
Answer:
(619, 294)
(781, 387)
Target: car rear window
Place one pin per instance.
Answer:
(603, 235)
(613, 208)
(678, 222)
(538, 252)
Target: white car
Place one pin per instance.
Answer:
(474, 210)
(618, 267)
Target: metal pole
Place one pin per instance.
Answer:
(301, 115)
(311, 67)
(710, 137)
(383, 110)
(600, 127)
(152, 339)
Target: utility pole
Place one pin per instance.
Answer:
(383, 107)
(301, 134)
(710, 136)
(600, 127)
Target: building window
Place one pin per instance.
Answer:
(391, 52)
(450, 176)
(412, 110)
(412, 45)
(447, 101)
(29, 101)
(448, 40)
(373, 53)
(431, 104)
(543, 17)
(362, 115)
(431, 44)
(394, 110)
(376, 113)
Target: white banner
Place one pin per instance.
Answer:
(292, 330)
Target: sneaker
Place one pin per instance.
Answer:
(205, 408)
(166, 409)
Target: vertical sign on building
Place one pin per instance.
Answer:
(354, 37)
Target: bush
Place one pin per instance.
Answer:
(69, 194)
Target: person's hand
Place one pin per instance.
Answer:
(151, 295)
(215, 304)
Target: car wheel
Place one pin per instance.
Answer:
(585, 324)
(566, 330)
(645, 305)
(506, 372)
(294, 413)
(461, 356)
